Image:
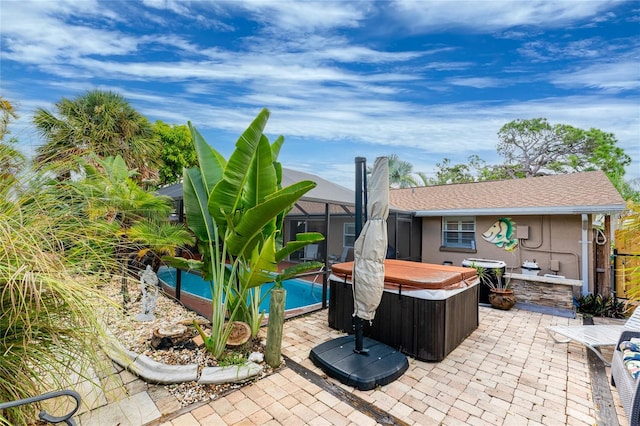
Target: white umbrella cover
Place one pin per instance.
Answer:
(370, 248)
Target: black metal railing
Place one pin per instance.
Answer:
(44, 416)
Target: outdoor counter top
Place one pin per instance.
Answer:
(543, 279)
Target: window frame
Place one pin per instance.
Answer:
(346, 234)
(459, 233)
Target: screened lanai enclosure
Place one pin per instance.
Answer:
(330, 210)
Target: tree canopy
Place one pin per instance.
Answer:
(99, 122)
(178, 152)
(535, 147)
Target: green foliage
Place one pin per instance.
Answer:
(629, 190)
(535, 147)
(158, 238)
(115, 196)
(7, 113)
(234, 358)
(98, 122)
(52, 258)
(447, 173)
(236, 208)
(11, 160)
(178, 152)
(599, 306)
(253, 315)
(135, 221)
(400, 173)
(495, 280)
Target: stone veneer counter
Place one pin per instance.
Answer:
(545, 291)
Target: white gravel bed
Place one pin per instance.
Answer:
(136, 336)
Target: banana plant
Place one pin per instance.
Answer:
(236, 209)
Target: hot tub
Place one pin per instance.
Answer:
(426, 310)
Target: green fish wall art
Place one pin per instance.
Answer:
(501, 234)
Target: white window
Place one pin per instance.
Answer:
(349, 235)
(459, 232)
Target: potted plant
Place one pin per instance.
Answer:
(500, 292)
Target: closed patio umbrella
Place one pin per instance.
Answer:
(370, 250)
(378, 364)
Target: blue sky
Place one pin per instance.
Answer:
(425, 80)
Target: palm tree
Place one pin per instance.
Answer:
(100, 122)
(159, 238)
(400, 173)
(117, 201)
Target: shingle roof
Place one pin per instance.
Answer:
(587, 192)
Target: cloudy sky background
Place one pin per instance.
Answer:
(425, 80)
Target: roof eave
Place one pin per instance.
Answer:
(519, 211)
(325, 201)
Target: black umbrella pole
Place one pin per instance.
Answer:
(358, 325)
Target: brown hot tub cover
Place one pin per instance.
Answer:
(417, 276)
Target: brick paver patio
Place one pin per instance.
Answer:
(508, 372)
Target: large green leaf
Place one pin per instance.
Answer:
(275, 151)
(185, 264)
(293, 271)
(254, 219)
(275, 148)
(263, 264)
(211, 162)
(195, 205)
(226, 197)
(302, 239)
(262, 180)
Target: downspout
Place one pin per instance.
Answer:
(585, 254)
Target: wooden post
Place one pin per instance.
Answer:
(602, 254)
(606, 264)
(276, 325)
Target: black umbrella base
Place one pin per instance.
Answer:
(379, 366)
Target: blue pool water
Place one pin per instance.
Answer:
(300, 293)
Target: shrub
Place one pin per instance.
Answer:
(600, 306)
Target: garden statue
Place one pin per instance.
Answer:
(149, 287)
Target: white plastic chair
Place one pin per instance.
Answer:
(310, 252)
(343, 257)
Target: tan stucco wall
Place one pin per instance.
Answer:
(550, 238)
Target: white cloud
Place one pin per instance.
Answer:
(36, 33)
(477, 82)
(175, 6)
(306, 17)
(497, 15)
(587, 49)
(333, 97)
(610, 77)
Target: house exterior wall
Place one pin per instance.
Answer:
(336, 231)
(555, 238)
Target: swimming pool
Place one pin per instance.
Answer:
(300, 293)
